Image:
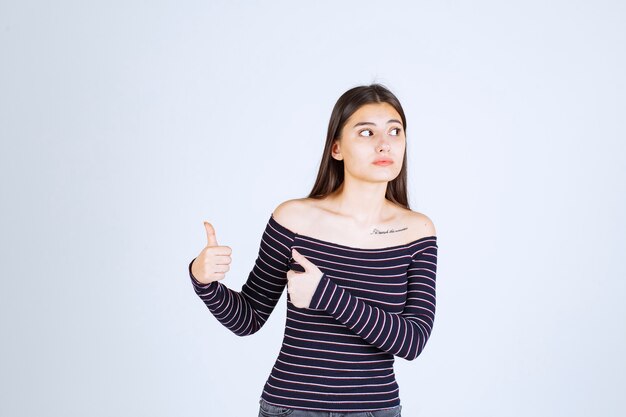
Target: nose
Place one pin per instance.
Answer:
(383, 146)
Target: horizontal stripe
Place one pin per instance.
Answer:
(370, 306)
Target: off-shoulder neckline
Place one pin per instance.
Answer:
(339, 245)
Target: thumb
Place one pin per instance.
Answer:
(210, 234)
(306, 264)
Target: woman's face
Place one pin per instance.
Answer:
(374, 132)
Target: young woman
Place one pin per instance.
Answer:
(359, 266)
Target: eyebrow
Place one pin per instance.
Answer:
(370, 123)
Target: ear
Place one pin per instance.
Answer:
(336, 151)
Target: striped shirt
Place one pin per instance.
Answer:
(369, 306)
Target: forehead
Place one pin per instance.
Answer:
(378, 113)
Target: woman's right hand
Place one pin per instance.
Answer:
(214, 260)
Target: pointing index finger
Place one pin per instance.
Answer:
(300, 258)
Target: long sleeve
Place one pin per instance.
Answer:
(403, 335)
(245, 312)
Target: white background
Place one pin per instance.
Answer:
(126, 124)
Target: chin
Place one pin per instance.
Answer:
(383, 178)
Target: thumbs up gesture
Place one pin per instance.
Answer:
(214, 260)
(302, 285)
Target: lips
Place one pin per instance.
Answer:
(383, 162)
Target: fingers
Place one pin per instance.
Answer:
(222, 259)
(220, 268)
(216, 269)
(291, 275)
(212, 241)
(210, 234)
(298, 257)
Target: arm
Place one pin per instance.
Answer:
(245, 312)
(404, 334)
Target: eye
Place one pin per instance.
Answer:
(366, 130)
(397, 130)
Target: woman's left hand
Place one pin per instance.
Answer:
(302, 285)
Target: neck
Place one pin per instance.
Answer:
(362, 201)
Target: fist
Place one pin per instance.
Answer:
(214, 260)
(302, 285)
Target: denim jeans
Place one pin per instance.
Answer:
(268, 410)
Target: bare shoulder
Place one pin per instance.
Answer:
(311, 217)
(292, 214)
(420, 223)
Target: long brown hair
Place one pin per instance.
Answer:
(331, 172)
